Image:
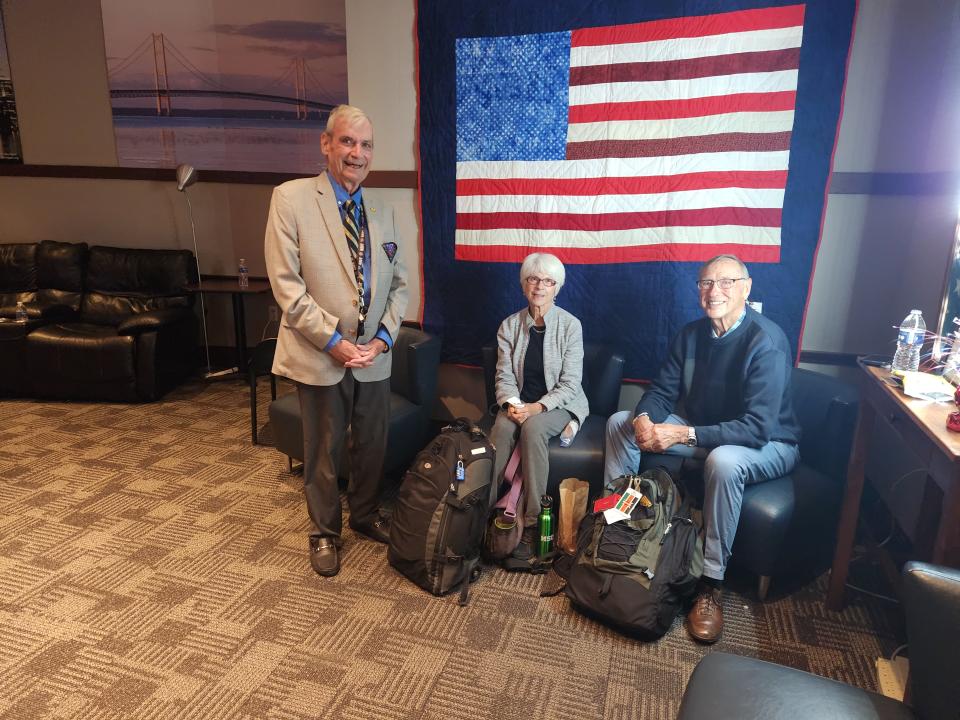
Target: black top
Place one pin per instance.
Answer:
(534, 386)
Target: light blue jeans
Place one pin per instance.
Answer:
(727, 469)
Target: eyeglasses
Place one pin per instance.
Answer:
(349, 143)
(722, 283)
(546, 282)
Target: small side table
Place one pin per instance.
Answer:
(922, 425)
(220, 285)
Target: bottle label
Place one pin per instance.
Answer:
(910, 337)
(546, 538)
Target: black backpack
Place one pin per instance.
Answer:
(636, 574)
(440, 514)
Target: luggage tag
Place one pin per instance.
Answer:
(461, 472)
(624, 507)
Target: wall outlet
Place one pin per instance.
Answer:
(273, 313)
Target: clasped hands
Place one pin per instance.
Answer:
(657, 437)
(357, 356)
(520, 413)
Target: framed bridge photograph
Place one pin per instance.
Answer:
(243, 85)
(9, 127)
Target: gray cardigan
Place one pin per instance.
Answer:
(562, 360)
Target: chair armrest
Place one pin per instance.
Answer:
(932, 607)
(152, 320)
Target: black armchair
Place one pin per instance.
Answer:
(730, 686)
(790, 523)
(583, 459)
(413, 385)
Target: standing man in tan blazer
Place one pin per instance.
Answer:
(333, 257)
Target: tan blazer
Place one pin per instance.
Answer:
(312, 277)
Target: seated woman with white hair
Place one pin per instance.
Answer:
(538, 383)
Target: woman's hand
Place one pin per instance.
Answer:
(519, 414)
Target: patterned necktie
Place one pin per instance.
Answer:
(355, 241)
(351, 229)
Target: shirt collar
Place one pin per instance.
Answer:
(341, 193)
(713, 333)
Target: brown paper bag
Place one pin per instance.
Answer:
(574, 494)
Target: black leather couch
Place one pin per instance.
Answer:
(415, 364)
(104, 323)
(789, 524)
(583, 459)
(725, 686)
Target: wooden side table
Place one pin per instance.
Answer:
(922, 425)
(220, 285)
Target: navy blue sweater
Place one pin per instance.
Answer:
(734, 390)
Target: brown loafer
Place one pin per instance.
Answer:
(324, 556)
(705, 619)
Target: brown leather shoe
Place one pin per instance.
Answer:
(705, 619)
(324, 556)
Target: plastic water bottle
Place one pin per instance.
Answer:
(21, 315)
(569, 433)
(909, 342)
(545, 526)
(244, 274)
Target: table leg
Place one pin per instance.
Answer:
(240, 331)
(850, 510)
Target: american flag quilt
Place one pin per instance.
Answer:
(634, 140)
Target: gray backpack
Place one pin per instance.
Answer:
(438, 521)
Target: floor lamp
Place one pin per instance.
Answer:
(187, 176)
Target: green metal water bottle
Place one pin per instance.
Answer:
(545, 526)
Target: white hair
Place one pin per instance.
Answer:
(348, 113)
(731, 258)
(544, 263)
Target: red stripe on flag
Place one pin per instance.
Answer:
(760, 179)
(585, 222)
(686, 252)
(694, 26)
(694, 107)
(731, 64)
(721, 142)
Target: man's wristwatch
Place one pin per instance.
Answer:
(691, 437)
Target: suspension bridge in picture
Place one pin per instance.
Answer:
(156, 55)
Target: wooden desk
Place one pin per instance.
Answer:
(922, 425)
(220, 285)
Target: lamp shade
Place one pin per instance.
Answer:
(186, 176)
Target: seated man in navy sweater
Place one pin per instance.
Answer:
(723, 395)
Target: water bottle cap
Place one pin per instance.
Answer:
(546, 501)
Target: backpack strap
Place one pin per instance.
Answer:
(514, 477)
(471, 572)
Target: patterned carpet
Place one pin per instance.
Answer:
(153, 565)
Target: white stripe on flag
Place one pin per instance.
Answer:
(705, 235)
(602, 204)
(687, 48)
(778, 81)
(740, 122)
(622, 167)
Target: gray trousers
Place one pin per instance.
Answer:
(726, 471)
(327, 412)
(533, 435)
